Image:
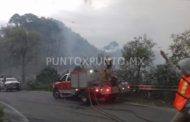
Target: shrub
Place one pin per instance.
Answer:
(44, 79)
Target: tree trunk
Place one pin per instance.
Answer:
(138, 74)
(23, 65)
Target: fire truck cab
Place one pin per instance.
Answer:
(62, 87)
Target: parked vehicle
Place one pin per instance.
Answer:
(9, 84)
(86, 85)
(124, 87)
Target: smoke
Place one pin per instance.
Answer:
(88, 2)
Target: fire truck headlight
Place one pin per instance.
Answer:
(91, 71)
(76, 90)
(97, 90)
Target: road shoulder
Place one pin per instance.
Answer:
(11, 114)
(151, 106)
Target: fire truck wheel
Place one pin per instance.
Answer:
(84, 98)
(56, 94)
(7, 89)
(94, 100)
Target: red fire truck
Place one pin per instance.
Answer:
(87, 85)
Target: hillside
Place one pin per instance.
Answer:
(56, 38)
(56, 41)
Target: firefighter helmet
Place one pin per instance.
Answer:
(185, 66)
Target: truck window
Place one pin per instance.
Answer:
(64, 78)
(68, 78)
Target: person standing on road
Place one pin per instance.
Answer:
(182, 100)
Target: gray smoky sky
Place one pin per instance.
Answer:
(123, 19)
(103, 21)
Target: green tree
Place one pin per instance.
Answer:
(180, 47)
(47, 76)
(139, 47)
(44, 79)
(164, 75)
(49, 30)
(56, 39)
(21, 45)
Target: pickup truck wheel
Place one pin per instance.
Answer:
(18, 89)
(56, 94)
(7, 89)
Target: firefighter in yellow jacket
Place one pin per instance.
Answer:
(182, 99)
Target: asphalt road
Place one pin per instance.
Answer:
(40, 106)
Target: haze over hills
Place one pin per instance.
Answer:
(112, 46)
(113, 49)
(59, 40)
(56, 38)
